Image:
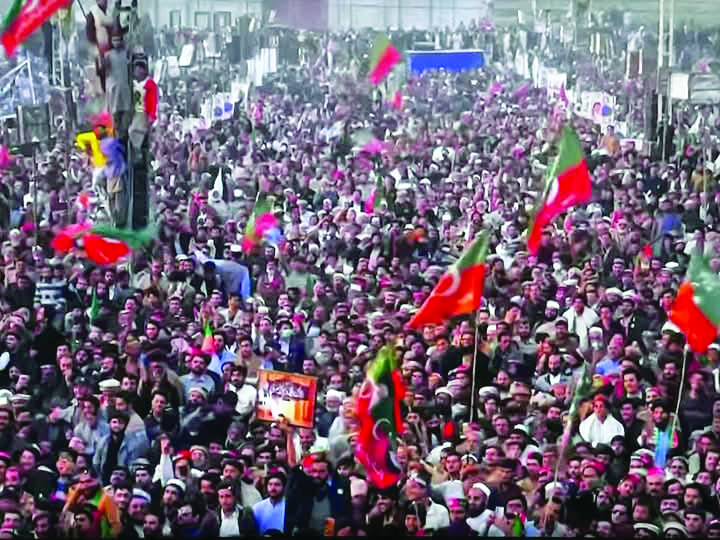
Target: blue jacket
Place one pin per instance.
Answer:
(133, 446)
(235, 277)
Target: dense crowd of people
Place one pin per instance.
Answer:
(116, 422)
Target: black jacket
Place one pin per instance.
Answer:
(300, 499)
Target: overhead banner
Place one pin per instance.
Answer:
(455, 61)
(286, 395)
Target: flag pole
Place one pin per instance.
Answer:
(677, 405)
(474, 367)
(565, 440)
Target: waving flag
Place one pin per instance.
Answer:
(94, 307)
(104, 252)
(26, 16)
(568, 185)
(208, 344)
(397, 100)
(376, 199)
(134, 239)
(262, 223)
(582, 392)
(104, 245)
(378, 408)
(460, 290)
(383, 58)
(696, 310)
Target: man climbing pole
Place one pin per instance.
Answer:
(145, 102)
(99, 23)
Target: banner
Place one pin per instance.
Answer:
(287, 395)
(222, 107)
(598, 107)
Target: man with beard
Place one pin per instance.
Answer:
(313, 497)
(660, 426)
(327, 414)
(152, 525)
(526, 344)
(270, 513)
(184, 282)
(246, 393)
(458, 524)
(198, 376)
(479, 516)
(135, 518)
(506, 352)
(233, 471)
(554, 375)
(208, 490)
(171, 500)
(142, 474)
(670, 375)
(359, 500)
(547, 326)
(118, 448)
(632, 321)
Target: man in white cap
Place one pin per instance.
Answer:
(552, 309)
(359, 497)
(137, 508)
(478, 515)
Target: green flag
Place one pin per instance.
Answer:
(94, 307)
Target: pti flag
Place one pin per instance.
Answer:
(262, 223)
(26, 16)
(383, 58)
(568, 184)
(460, 290)
(696, 310)
(378, 408)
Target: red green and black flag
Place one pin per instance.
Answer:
(261, 222)
(26, 16)
(460, 290)
(383, 58)
(378, 408)
(568, 185)
(696, 310)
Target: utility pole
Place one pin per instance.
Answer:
(666, 59)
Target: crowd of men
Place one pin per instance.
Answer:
(115, 422)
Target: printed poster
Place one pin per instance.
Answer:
(288, 395)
